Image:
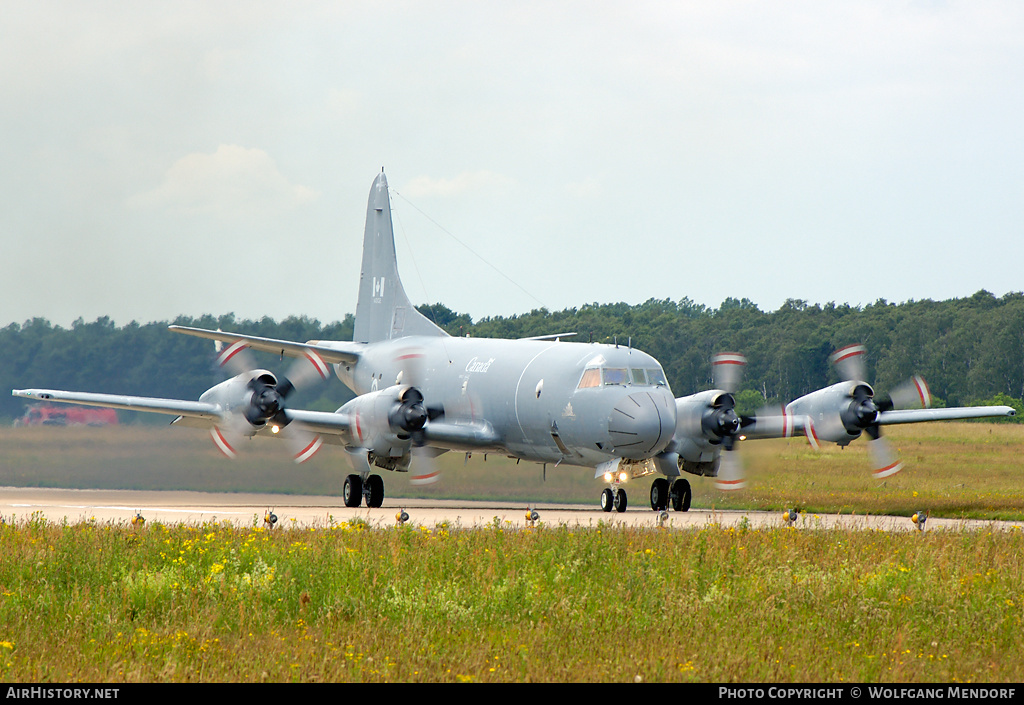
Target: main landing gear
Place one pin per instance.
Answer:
(680, 495)
(358, 487)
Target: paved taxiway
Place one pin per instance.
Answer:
(57, 505)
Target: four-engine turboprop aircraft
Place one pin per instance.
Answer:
(543, 400)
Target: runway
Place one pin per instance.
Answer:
(18, 504)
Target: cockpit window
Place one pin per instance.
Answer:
(637, 376)
(615, 375)
(591, 378)
(656, 377)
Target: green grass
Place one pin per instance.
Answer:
(109, 603)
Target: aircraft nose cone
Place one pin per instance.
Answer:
(640, 425)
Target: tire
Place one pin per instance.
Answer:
(659, 494)
(620, 501)
(352, 491)
(681, 496)
(607, 500)
(375, 486)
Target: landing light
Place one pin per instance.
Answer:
(607, 477)
(623, 477)
(275, 428)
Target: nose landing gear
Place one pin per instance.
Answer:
(613, 497)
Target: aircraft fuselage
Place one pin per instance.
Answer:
(533, 393)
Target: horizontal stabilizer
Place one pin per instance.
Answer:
(329, 351)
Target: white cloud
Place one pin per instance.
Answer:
(424, 186)
(233, 183)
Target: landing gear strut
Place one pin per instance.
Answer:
(355, 489)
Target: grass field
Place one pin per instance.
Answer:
(103, 603)
(970, 470)
(348, 602)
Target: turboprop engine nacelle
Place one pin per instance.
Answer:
(384, 423)
(837, 414)
(703, 422)
(252, 395)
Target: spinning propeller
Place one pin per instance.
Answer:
(264, 400)
(424, 470)
(861, 413)
(723, 422)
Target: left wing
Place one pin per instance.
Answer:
(957, 412)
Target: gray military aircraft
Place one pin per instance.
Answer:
(545, 400)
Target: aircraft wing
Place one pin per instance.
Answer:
(951, 414)
(437, 434)
(191, 409)
(462, 436)
(321, 421)
(330, 351)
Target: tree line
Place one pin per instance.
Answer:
(970, 350)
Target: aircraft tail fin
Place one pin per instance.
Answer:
(383, 311)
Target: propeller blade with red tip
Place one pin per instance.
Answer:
(912, 394)
(730, 471)
(849, 363)
(234, 358)
(885, 461)
(424, 469)
(228, 434)
(812, 437)
(727, 370)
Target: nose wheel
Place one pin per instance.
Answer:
(613, 498)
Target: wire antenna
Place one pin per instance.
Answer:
(470, 249)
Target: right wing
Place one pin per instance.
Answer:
(177, 407)
(477, 436)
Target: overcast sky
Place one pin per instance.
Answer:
(173, 158)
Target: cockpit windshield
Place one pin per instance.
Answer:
(635, 376)
(614, 375)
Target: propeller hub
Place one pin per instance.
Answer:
(866, 413)
(414, 417)
(728, 422)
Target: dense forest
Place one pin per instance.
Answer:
(970, 350)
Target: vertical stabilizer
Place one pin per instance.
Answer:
(383, 311)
